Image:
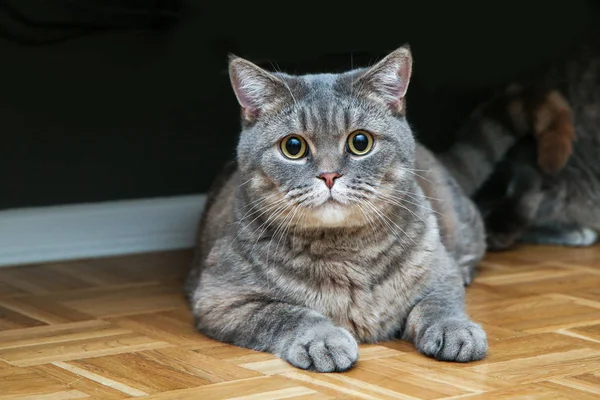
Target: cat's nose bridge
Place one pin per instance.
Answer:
(329, 178)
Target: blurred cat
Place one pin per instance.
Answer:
(547, 188)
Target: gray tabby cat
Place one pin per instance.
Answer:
(547, 190)
(324, 234)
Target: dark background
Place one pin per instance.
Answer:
(130, 99)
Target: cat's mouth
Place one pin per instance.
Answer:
(333, 201)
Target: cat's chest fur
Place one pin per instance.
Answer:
(360, 286)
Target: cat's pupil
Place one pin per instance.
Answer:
(360, 142)
(293, 146)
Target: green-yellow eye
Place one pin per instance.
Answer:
(293, 147)
(360, 143)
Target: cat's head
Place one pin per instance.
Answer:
(325, 150)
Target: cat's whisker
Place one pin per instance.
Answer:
(302, 198)
(270, 240)
(289, 223)
(423, 207)
(280, 231)
(380, 216)
(398, 203)
(367, 218)
(245, 183)
(300, 219)
(258, 208)
(416, 174)
(256, 203)
(397, 226)
(269, 220)
(415, 196)
(274, 216)
(415, 169)
(383, 221)
(264, 209)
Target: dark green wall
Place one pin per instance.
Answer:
(118, 115)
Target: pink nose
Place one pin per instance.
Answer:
(329, 178)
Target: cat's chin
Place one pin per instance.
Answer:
(332, 215)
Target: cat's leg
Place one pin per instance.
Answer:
(567, 236)
(440, 328)
(302, 337)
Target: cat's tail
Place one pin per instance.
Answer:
(497, 125)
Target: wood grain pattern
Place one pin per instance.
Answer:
(117, 328)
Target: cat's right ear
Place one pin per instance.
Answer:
(256, 90)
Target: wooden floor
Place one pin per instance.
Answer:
(118, 327)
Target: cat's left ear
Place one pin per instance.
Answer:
(387, 81)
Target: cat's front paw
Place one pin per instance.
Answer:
(453, 340)
(323, 348)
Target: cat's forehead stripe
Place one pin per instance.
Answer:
(326, 116)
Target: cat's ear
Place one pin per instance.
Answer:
(387, 81)
(256, 90)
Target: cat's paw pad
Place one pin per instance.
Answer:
(324, 348)
(454, 340)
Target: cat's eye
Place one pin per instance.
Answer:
(360, 143)
(293, 147)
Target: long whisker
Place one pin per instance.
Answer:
(390, 221)
(289, 223)
(367, 217)
(254, 204)
(413, 195)
(398, 203)
(245, 183)
(279, 231)
(268, 221)
(300, 219)
(383, 221)
(423, 207)
(376, 189)
(415, 169)
(264, 210)
(416, 174)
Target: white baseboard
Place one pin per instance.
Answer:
(32, 235)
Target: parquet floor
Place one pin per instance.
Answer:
(115, 328)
